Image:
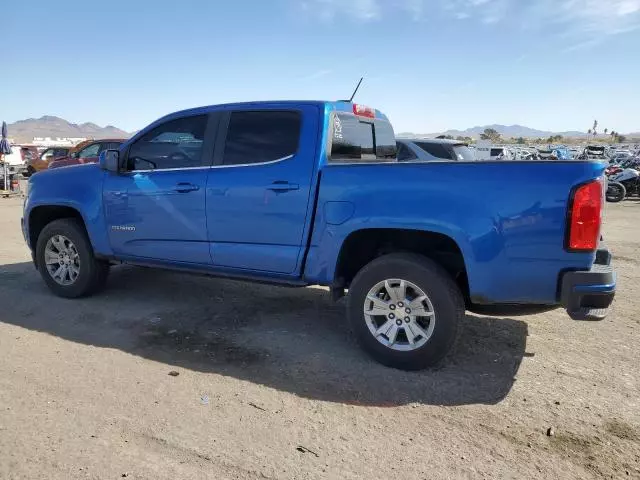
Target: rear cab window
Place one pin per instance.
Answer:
(361, 136)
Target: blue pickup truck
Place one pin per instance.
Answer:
(311, 193)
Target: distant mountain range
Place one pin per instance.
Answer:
(507, 131)
(23, 131)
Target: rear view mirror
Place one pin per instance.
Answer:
(109, 160)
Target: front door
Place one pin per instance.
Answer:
(156, 208)
(258, 191)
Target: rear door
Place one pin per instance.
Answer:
(258, 191)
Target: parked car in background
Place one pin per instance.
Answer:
(433, 149)
(15, 162)
(312, 193)
(29, 153)
(546, 154)
(562, 153)
(485, 151)
(40, 161)
(594, 152)
(87, 152)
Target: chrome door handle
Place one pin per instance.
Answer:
(281, 186)
(185, 187)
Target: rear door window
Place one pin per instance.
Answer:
(438, 151)
(262, 136)
(361, 140)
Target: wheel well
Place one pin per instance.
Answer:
(363, 246)
(42, 216)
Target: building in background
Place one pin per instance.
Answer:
(57, 142)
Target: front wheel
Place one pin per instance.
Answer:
(66, 261)
(404, 310)
(615, 192)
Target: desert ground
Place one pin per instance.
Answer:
(270, 385)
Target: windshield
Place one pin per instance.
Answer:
(464, 153)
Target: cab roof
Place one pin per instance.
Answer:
(339, 106)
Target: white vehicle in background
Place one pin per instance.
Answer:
(13, 162)
(522, 153)
(488, 152)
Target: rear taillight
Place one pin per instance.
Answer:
(363, 111)
(585, 217)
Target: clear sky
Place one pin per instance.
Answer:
(430, 65)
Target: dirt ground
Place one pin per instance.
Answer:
(270, 386)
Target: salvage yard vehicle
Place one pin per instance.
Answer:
(86, 152)
(41, 162)
(594, 152)
(433, 149)
(14, 162)
(312, 193)
(624, 183)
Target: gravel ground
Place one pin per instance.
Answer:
(270, 386)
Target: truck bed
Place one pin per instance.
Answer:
(507, 218)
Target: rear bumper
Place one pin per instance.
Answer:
(587, 295)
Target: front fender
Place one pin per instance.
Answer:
(78, 187)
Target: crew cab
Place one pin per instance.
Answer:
(312, 193)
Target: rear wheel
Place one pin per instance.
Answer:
(615, 192)
(66, 261)
(404, 310)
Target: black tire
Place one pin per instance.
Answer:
(93, 272)
(435, 282)
(615, 192)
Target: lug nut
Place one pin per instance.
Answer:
(392, 307)
(398, 322)
(407, 319)
(392, 316)
(408, 310)
(400, 304)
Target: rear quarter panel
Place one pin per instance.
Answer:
(508, 219)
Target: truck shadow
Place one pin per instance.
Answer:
(294, 340)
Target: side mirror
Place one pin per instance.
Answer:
(109, 160)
